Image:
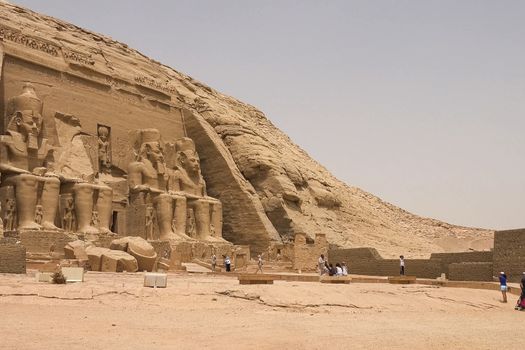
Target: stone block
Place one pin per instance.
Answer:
(73, 274)
(44, 277)
(76, 250)
(117, 261)
(155, 280)
(402, 279)
(139, 248)
(255, 279)
(336, 279)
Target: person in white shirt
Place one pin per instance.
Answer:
(321, 265)
(401, 265)
(338, 270)
(227, 263)
(344, 268)
(259, 264)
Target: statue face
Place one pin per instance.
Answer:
(190, 162)
(154, 152)
(103, 133)
(29, 124)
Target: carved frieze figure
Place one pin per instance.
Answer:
(104, 152)
(39, 214)
(9, 216)
(150, 222)
(26, 161)
(94, 218)
(186, 179)
(190, 227)
(69, 216)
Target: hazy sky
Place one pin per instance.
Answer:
(419, 102)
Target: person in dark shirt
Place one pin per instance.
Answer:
(503, 285)
(331, 270)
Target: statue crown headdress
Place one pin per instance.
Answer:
(150, 135)
(185, 144)
(26, 101)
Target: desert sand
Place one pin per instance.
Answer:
(114, 311)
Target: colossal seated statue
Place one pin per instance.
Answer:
(147, 176)
(173, 193)
(185, 179)
(26, 162)
(30, 178)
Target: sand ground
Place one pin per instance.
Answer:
(114, 311)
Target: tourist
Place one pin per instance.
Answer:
(321, 265)
(213, 262)
(338, 270)
(331, 270)
(401, 265)
(344, 268)
(503, 285)
(259, 264)
(522, 285)
(520, 305)
(227, 263)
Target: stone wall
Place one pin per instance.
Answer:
(462, 257)
(367, 261)
(45, 242)
(305, 255)
(12, 257)
(509, 253)
(470, 271)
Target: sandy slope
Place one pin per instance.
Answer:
(111, 311)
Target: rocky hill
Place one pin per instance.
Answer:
(285, 188)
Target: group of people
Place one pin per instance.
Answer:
(227, 263)
(325, 268)
(520, 305)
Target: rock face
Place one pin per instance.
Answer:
(270, 189)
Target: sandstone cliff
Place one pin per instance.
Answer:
(270, 187)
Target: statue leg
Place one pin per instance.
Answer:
(49, 201)
(164, 207)
(26, 189)
(202, 219)
(84, 207)
(216, 218)
(104, 206)
(179, 215)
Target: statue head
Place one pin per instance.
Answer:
(151, 149)
(25, 115)
(188, 158)
(189, 161)
(103, 133)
